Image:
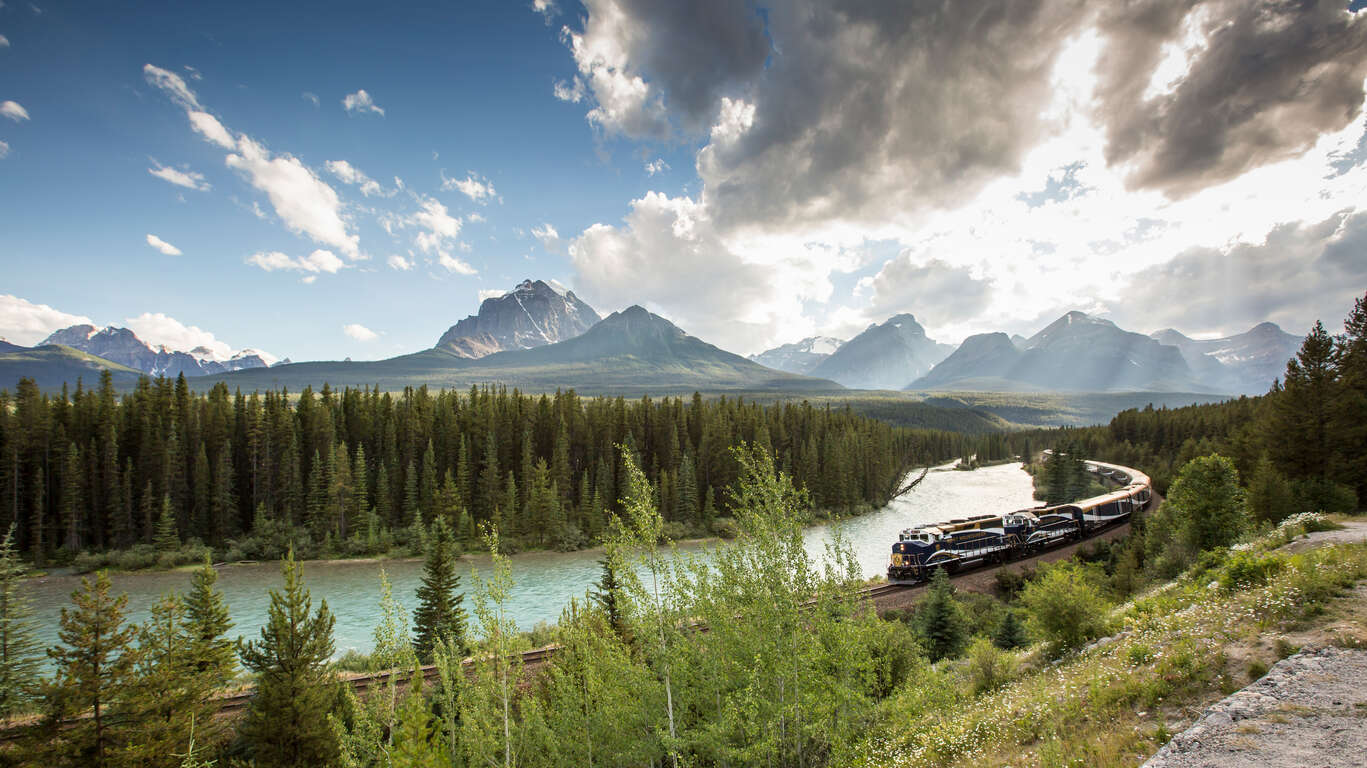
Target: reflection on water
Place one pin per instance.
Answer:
(545, 581)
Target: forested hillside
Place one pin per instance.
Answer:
(91, 470)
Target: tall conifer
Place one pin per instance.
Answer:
(439, 614)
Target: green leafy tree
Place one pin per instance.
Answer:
(940, 620)
(93, 674)
(1065, 607)
(439, 613)
(417, 737)
(287, 718)
(19, 652)
(488, 716)
(1208, 503)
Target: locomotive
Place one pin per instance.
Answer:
(965, 542)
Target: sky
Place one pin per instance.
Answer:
(342, 179)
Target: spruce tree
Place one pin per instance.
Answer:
(608, 597)
(166, 695)
(167, 539)
(287, 718)
(1010, 633)
(207, 622)
(94, 672)
(417, 739)
(19, 652)
(439, 614)
(940, 621)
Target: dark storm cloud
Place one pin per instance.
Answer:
(1273, 76)
(1303, 272)
(865, 110)
(871, 108)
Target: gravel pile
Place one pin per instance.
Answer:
(1309, 710)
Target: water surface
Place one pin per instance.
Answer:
(545, 581)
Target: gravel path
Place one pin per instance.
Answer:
(1310, 710)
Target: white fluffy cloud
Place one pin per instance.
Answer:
(163, 246)
(187, 179)
(360, 102)
(158, 329)
(319, 261)
(359, 332)
(173, 84)
(4, 149)
(477, 188)
(438, 225)
(13, 110)
(25, 323)
(453, 264)
(489, 293)
(398, 262)
(303, 202)
(4, 41)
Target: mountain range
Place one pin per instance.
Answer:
(122, 346)
(541, 337)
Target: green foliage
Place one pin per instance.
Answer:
(1246, 569)
(439, 614)
(1065, 608)
(1270, 498)
(417, 739)
(607, 595)
(287, 718)
(1208, 502)
(989, 667)
(19, 650)
(1010, 634)
(940, 621)
(211, 654)
(93, 673)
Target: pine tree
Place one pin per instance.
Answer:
(166, 695)
(19, 651)
(608, 597)
(207, 622)
(73, 499)
(1270, 499)
(411, 503)
(439, 614)
(167, 539)
(1010, 633)
(287, 718)
(940, 621)
(94, 668)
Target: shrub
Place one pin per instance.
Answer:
(989, 667)
(1246, 569)
(1065, 608)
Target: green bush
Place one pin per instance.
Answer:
(1065, 608)
(1245, 569)
(989, 667)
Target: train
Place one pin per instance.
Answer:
(967, 542)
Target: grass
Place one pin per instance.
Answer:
(1116, 702)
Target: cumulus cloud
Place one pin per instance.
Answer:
(571, 91)
(359, 332)
(303, 202)
(13, 110)
(477, 188)
(668, 255)
(490, 293)
(643, 62)
(319, 261)
(937, 293)
(187, 179)
(395, 261)
(311, 98)
(4, 41)
(159, 329)
(4, 149)
(658, 165)
(1300, 272)
(361, 103)
(25, 323)
(163, 246)
(438, 226)
(1230, 110)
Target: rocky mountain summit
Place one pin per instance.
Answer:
(533, 314)
(1245, 363)
(889, 355)
(122, 346)
(800, 356)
